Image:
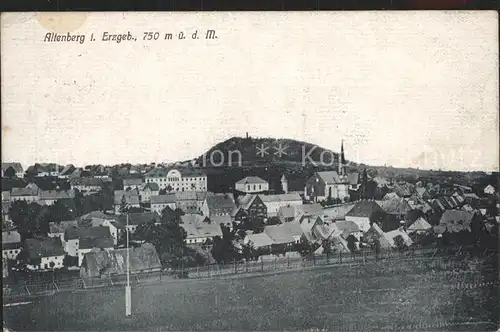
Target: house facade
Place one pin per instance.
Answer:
(11, 243)
(132, 183)
(86, 184)
(73, 236)
(44, 254)
(361, 213)
(147, 190)
(129, 198)
(275, 202)
(160, 202)
(30, 193)
(49, 197)
(218, 205)
(15, 169)
(199, 229)
(252, 184)
(177, 179)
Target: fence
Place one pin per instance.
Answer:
(430, 260)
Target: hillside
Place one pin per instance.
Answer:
(238, 151)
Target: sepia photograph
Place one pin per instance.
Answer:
(250, 171)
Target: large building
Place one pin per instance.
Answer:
(178, 179)
(332, 184)
(252, 184)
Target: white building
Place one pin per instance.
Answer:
(46, 254)
(199, 228)
(489, 190)
(275, 202)
(11, 243)
(252, 184)
(178, 180)
(147, 190)
(160, 202)
(73, 236)
(30, 193)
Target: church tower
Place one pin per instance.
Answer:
(341, 165)
(284, 184)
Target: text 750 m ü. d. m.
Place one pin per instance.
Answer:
(155, 35)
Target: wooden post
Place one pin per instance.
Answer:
(288, 262)
(261, 265)
(340, 257)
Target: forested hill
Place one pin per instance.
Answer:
(266, 151)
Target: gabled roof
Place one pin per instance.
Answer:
(150, 186)
(282, 234)
(419, 225)
(259, 240)
(196, 226)
(99, 215)
(100, 242)
(139, 218)
(293, 197)
(56, 194)
(73, 233)
(252, 180)
(30, 190)
(404, 189)
(190, 218)
(96, 263)
(246, 201)
(391, 195)
(457, 217)
(397, 206)
(163, 199)
(364, 209)
(191, 195)
(329, 177)
(346, 226)
(131, 197)
(86, 181)
(18, 168)
(10, 236)
(43, 248)
(225, 219)
(338, 212)
(61, 227)
(219, 202)
(132, 182)
(67, 170)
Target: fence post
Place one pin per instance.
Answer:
(327, 258)
(340, 257)
(246, 266)
(261, 265)
(288, 262)
(314, 259)
(209, 270)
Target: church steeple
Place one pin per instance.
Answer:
(342, 159)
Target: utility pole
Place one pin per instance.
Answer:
(128, 291)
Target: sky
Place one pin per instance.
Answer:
(406, 89)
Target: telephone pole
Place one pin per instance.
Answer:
(128, 291)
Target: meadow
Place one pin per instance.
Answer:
(375, 297)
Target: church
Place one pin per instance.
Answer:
(332, 184)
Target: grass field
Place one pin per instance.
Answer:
(365, 298)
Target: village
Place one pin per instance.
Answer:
(173, 221)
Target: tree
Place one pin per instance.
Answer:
(273, 221)
(399, 243)
(351, 243)
(223, 250)
(10, 172)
